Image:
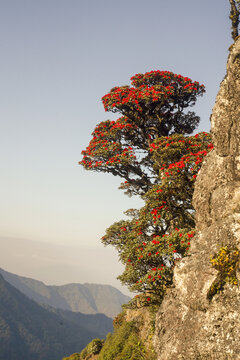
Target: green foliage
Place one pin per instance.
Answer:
(125, 344)
(160, 232)
(93, 348)
(226, 262)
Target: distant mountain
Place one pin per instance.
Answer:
(83, 298)
(29, 331)
(98, 324)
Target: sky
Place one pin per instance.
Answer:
(58, 58)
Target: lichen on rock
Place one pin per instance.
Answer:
(226, 261)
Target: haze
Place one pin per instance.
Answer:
(58, 58)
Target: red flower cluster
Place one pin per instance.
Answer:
(105, 147)
(191, 160)
(134, 98)
(164, 77)
(151, 87)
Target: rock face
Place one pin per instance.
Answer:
(191, 324)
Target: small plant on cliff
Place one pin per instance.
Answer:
(226, 262)
(126, 344)
(148, 147)
(234, 17)
(93, 348)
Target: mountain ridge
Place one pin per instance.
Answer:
(30, 331)
(84, 298)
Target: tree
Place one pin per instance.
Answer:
(154, 106)
(160, 232)
(148, 147)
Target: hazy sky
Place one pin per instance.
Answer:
(58, 58)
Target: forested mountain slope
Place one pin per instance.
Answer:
(29, 331)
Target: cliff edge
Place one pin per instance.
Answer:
(200, 316)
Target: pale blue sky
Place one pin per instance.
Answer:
(58, 58)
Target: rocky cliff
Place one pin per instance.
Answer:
(200, 316)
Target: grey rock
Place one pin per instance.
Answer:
(189, 325)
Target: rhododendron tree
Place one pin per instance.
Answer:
(154, 106)
(160, 232)
(149, 147)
